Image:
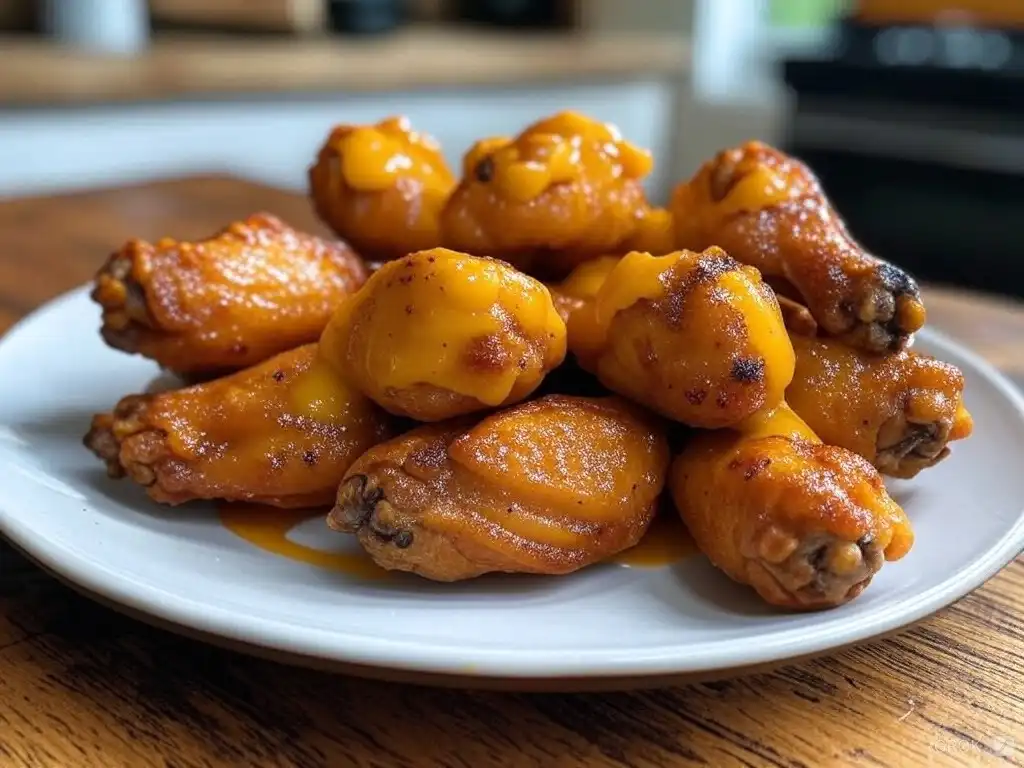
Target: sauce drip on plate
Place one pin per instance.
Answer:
(667, 541)
(267, 528)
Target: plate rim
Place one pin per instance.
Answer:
(445, 659)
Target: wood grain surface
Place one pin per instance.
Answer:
(82, 686)
(197, 66)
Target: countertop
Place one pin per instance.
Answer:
(39, 72)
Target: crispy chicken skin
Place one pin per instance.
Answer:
(566, 189)
(281, 433)
(768, 210)
(697, 337)
(252, 290)
(807, 525)
(899, 411)
(381, 187)
(548, 486)
(438, 334)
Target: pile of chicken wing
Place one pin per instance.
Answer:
(515, 370)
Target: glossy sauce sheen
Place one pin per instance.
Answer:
(374, 158)
(267, 528)
(381, 187)
(467, 325)
(565, 189)
(667, 541)
(279, 432)
(849, 396)
(558, 150)
(252, 290)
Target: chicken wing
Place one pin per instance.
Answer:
(697, 337)
(381, 187)
(438, 334)
(899, 411)
(807, 525)
(567, 189)
(281, 433)
(581, 286)
(768, 210)
(548, 486)
(252, 290)
(655, 233)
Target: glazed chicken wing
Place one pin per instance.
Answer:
(438, 334)
(548, 486)
(567, 189)
(768, 210)
(581, 286)
(655, 233)
(381, 187)
(281, 433)
(697, 337)
(899, 411)
(807, 525)
(252, 290)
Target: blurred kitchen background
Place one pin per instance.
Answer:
(911, 111)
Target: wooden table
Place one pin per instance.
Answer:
(84, 687)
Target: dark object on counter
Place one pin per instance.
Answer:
(960, 67)
(917, 135)
(366, 17)
(518, 14)
(302, 17)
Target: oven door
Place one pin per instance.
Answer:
(949, 208)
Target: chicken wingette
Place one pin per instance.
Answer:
(548, 486)
(281, 433)
(200, 309)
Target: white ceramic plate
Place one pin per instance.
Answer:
(183, 567)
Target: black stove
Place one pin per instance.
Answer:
(917, 134)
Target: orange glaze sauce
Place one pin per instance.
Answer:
(667, 541)
(267, 528)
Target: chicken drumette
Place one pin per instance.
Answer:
(381, 187)
(566, 189)
(437, 334)
(768, 210)
(807, 525)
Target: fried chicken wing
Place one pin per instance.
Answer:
(697, 337)
(548, 486)
(567, 189)
(281, 433)
(437, 334)
(655, 233)
(252, 290)
(768, 210)
(807, 525)
(382, 187)
(899, 411)
(581, 286)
